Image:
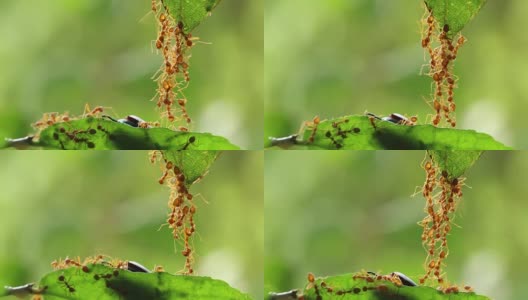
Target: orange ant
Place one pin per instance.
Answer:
(49, 119)
(88, 112)
(71, 262)
(310, 125)
(159, 269)
(155, 6)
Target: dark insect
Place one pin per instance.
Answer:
(396, 119)
(130, 120)
(404, 279)
(133, 266)
(284, 142)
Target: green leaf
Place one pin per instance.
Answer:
(358, 133)
(106, 283)
(455, 163)
(190, 13)
(360, 289)
(193, 164)
(101, 134)
(455, 13)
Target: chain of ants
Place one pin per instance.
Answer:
(182, 209)
(180, 220)
(369, 279)
(374, 282)
(442, 197)
(441, 68)
(83, 265)
(76, 136)
(337, 134)
(50, 119)
(174, 44)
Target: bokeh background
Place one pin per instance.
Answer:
(340, 57)
(334, 213)
(58, 55)
(56, 204)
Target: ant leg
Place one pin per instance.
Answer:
(373, 122)
(87, 110)
(372, 118)
(202, 197)
(310, 125)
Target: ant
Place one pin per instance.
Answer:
(191, 140)
(73, 262)
(404, 279)
(336, 143)
(88, 112)
(159, 269)
(70, 288)
(310, 125)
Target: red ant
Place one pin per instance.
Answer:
(310, 125)
(92, 112)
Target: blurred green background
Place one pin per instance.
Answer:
(56, 204)
(339, 57)
(339, 212)
(58, 55)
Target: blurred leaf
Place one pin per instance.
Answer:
(358, 133)
(455, 163)
(193, 164)
(190, 13)
(106, 283)
(345, 287)
(101, 134)
(455, 13)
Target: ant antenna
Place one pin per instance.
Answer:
(110, 118)
(372, 115)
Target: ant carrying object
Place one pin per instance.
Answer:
(130, 120)
(403, 278)
(393, 118)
